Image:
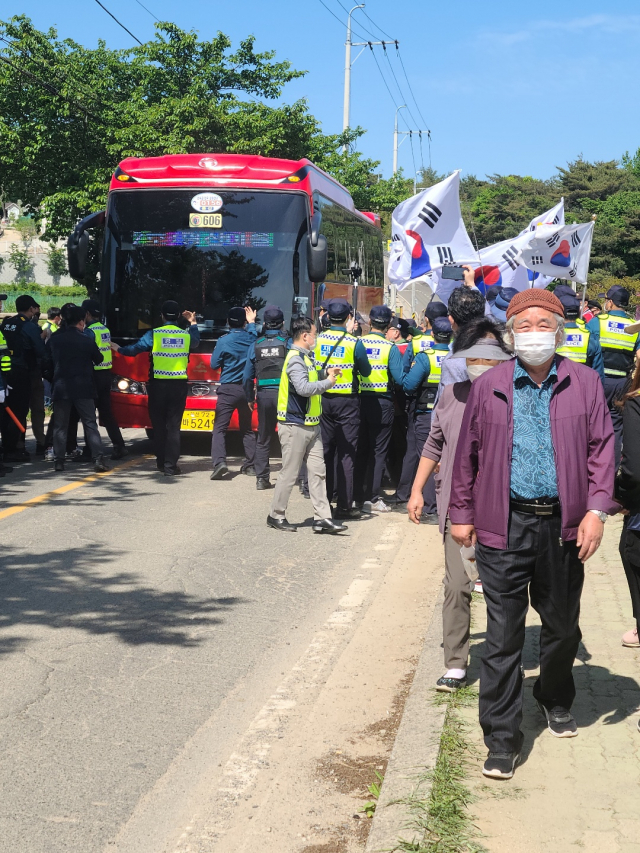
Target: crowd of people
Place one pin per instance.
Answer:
(510, 420)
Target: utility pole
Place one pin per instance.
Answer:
(348, 65)
(395, 139)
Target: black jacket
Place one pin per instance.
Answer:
(628, 480)
(72, 355)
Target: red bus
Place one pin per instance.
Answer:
(213, 231)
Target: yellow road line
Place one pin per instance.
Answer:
(69, 487)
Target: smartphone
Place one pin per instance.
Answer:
(453, 272)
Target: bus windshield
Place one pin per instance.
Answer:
(207, 250)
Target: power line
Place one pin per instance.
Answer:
(342, 6)
(399, 55)
(377, 26)
(415, 171)
(382, 75)
(119, 22)
(339, 20)
(147, 10)
(402, 97)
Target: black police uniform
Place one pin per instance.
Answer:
(270, 353)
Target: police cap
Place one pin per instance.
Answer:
(442, 328)
(381, 315)
(93, 307)
(339, 309)
(170, 309)
(570, 304)
(237, 317)
(435, 309)
(619, 296)
(273, 316)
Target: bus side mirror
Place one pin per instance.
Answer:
(78, 244)
(317, 258)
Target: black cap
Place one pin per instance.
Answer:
(273, 316)
(593, 303)
(442, 328)
(170, 310)
(381, 315)
(564, 289)
(570, 303)
(403, 325)
(435, 309)
(491, 292)
(237, 317)
(619, 295)
(339, 309)
(92, 306)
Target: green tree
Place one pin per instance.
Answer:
(21, 261)
(56, 262)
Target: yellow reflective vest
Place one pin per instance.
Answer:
(103, 341)
(576, 344)
(170, 352)
(378, 349)
(343, 356)
(293, 408)
(427, 392)
(617, 346)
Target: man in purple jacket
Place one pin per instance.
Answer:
(532, 485)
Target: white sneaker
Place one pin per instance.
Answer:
(74, 454)
(380, 506)
(48, 455)
(477, 587)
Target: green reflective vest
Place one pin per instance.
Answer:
(378, 349)
(421, 343)
(428, 391)
(5, 355)
(170, 352)
(343, 356)
(103, 341)
(617, 345)
(576, 344)
(309, 408)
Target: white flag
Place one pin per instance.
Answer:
(427, 232)
(501, 266)
(559, 252)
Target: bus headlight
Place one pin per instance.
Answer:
(127, 386)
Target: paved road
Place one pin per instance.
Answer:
(145, 621)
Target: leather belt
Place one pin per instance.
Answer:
(537, 506)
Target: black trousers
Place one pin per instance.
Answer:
(538, 563)
(340, 423)
(613, 390)
(267, 399)
(72, 430)
(103, 405)
(630, 555)
(18, 400)
(417, 434)
(231, 396)
(376, 424)
(167, 399)
(86, 408)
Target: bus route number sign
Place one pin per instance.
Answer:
(205, 220)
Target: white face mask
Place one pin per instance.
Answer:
(534, 348)
(475, 370)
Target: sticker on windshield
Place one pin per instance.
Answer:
(206, 202)
(205, 220)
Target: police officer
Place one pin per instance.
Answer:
(5, 370)
(422, 381)
(96, 330)
(340, 421)
(52, 323)
(27, 354)
(422, 339)
(264, 364)
(376, 409)
(580, 344)
(398, 332)
(169, 346)
(618, 352)
(230, 356)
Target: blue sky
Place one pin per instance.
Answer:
(504, 87)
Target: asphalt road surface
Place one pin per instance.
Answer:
(145, 622)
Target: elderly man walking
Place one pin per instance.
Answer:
(531, 488)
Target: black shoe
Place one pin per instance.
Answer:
(172, 472)
(399, 506)
(352, 514)
(450, 685)
(429, 518)
(119, 452)
(559, 721)
(40, 449)
(281, 524)
(327, 525)
(263, 483)
(59, 465)
(219, 471)
(5, 469)
(500, 765)
(160, 466)
(99, 465)
(17, 456)
(250, 471)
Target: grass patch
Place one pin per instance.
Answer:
(441, 821)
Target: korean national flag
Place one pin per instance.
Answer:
(559, 252)
(427, 232)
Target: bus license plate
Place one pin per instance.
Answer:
(205, 220)
(197, 420)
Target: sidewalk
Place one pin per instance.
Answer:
(577, 795)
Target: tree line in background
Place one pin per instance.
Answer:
(69, 114)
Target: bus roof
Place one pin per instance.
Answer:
(230, 170)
